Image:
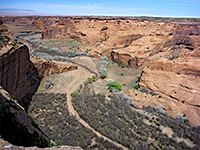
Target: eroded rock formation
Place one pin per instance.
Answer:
(47, 68)
(18, 75)
(178, 81)
(61, 29)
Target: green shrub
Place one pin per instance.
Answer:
(93, 78)
(81, 86)
(74, 94)
(12, 97)
(13, 44)
(159, 96)
(137, 79)
(115, 85)
(90, 80)
(50, 144)
(58, 142)
(186, 121)
(103, 75)
(136, 87)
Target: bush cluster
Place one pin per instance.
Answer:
(114, 85)
(51, 113)
(17, 35)
(115, 88)
(103, 67)
(6, 40)
(159, 109)
(50, 57)
(59, 52)
(118, 121)
(49, 84)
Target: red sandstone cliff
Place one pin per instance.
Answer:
(178, 82)
(18, 75)
(47, 68)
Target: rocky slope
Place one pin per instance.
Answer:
(16, 126)
(179, 82)
(19, 129)
(21, 77)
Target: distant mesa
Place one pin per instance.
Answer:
(21, 12)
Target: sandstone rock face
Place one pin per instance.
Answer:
(17, 127)
(127, 41)
(46, 68)
(177, 81)
(42, 23)
(143, 40)
(18, 20)
(18, 75)
(126, 59)
(59, 30)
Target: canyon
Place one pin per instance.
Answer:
(145, 55)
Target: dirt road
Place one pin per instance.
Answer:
(71, 88)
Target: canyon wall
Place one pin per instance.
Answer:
(18, 75)
(16, 126)
(178, 82)
(62, 29)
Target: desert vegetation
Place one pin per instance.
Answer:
(152, 62)
(57, 54)
(51, 114)
(114, 85)
(115, 88)
(120, 122)
(5, 39)
(103, 67)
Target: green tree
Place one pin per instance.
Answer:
(115, 85)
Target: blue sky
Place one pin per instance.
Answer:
(170, 8)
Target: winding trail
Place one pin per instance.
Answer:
(71, 88)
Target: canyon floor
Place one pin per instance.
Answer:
(155, 61)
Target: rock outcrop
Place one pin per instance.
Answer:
(126, 59)
(18, 74)
(62, 29)
(47, 68)
(179, 82)
(17, 127)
